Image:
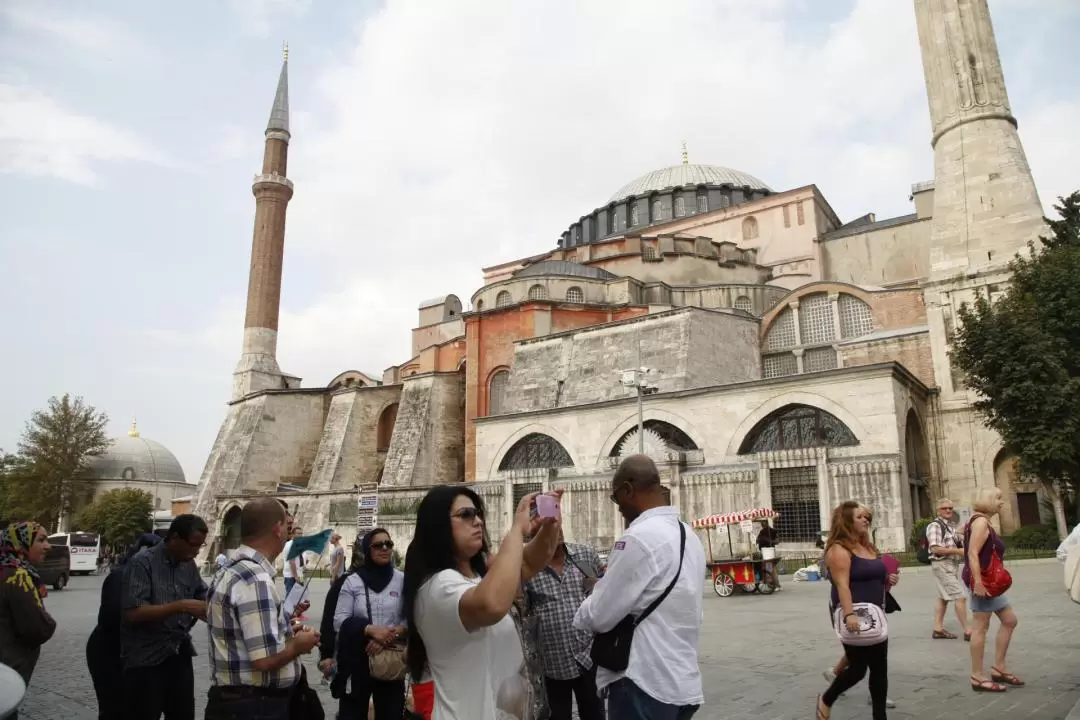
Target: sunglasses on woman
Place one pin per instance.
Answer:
(383, 545)
(469, 514)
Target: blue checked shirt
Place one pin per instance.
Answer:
(555, 599)
(246, 623)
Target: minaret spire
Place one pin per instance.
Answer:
(685, 155)
(258, 368)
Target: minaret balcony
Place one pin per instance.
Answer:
(273, 178)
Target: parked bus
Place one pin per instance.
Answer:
(85, 550)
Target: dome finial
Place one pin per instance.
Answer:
(685, 155)
(134, 431)
(285, 51)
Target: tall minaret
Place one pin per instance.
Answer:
(985, 204)
(258, 367)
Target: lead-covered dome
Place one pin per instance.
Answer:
(687, 174)
(134, 457)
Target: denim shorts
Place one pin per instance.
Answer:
(987, 604)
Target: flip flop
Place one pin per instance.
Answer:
(943, 635)
(820, 714)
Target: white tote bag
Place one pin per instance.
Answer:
(873, 625)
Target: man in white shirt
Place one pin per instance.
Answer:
(662, 680)
(293, 571)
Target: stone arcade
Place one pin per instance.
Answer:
(801, 360)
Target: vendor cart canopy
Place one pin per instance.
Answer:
(711, 521)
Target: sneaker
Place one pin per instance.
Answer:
(889, 703)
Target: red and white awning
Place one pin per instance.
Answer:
(733, 518)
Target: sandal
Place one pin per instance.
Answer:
(943, 635)
(821, 713)
(1007, 678)
(967, 637)
(986, 686)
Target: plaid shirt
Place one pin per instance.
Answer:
(556, 598)
(246, 623)
(942, 534)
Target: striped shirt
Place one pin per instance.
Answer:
(246, 623)
(555, 599)
(387, 607)
(152, 578)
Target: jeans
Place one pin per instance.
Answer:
(289, 582)
(561, 694)
(861, 658)
(626, 701)
(166, 689)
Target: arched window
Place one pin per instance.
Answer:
(702, 203)
(497, 387)
(538, 292)
(659, 438)
(634, 215)
(536, 452)
(657, 210)
(816, 319)
(575, 295)
(648, 252)
(385, 428)
(781, 332)
(856, 319)
(680, 206)
(797, 426)
(749, 228)
(479, 305)
(613, 220)
(503, 299)
(743, 303)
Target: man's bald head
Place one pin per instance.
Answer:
(636, 486)
(639, 470)
(260, 518)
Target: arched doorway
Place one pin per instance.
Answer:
(230, 530)
(385, 429)
(917, 459)
(794, 490)
(532, 453)
(1022, 495)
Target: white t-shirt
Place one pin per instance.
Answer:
(299, 560)
(471, 670)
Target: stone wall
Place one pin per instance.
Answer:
(910, 348)
(690, 348)
(427, 446)
(879, 255)
(348, 454)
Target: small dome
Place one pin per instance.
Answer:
(136, 458)
(683, 175)
(564, 267)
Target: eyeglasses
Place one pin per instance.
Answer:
(384, 545)
(469, 514)
(615, 493)
(949, 508)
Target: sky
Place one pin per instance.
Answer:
(429, 140)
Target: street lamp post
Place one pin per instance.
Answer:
(638, 378)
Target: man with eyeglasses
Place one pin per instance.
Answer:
(163, 597)
(946, 554)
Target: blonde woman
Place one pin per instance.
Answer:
(841, 665)
(982, 542)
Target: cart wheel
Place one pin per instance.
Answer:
(749, 587)
(723, 585)
(765, 588)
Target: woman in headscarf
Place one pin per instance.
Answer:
(24, 624)
(370, 620)
(103, 647)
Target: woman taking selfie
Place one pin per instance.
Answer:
(457, 603)
(858, 576)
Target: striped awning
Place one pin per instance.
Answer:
(711, 521)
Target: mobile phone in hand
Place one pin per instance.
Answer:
(546, 506)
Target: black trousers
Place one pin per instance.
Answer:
(583, 687)
(389, 697)
(167, 689)
(103, 661)
(862, 658)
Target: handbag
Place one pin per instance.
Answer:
(873, 625)
(388, 665)
(611, 650)
(995, 578)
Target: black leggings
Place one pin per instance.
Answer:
(861, 658)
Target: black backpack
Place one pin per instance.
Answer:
(922, 550)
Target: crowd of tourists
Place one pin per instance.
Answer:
(535, 630)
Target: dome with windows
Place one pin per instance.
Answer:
(684, 175)
(134, 458)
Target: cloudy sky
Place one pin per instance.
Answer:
(430, 139)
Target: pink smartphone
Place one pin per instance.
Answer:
(546, 507)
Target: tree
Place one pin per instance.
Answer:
(55, 451)
(118, 516)
(1022, 355)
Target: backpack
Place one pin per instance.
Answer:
(922, 549)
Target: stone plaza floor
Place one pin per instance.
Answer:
(761, 657)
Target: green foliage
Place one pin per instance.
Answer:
(119, 516)
(1043, 537)
(47, 477)
(1022, 353)
(918, 531)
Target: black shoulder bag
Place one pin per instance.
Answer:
(611, 649)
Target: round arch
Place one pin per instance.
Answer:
(230, 528)
(629, 422)
(813, 289)
(530, 429)
(536, 451)
(794, 398)
(384, 427)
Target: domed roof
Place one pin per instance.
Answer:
(136, 458)
(687, 174)
(564, 267)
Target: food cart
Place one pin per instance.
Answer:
(746, 573)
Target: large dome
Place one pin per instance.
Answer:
(683, 175)
(136, 458)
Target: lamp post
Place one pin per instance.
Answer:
(638, 379)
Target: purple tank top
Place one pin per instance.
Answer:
(993, 542)
(867, 582)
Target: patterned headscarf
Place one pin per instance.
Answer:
(15, 547)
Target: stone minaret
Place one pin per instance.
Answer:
(258, 367)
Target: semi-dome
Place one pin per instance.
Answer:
(134, 458)
(563, 267)
(687, 174)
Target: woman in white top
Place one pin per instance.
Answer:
(458, 603)
(372, 602)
